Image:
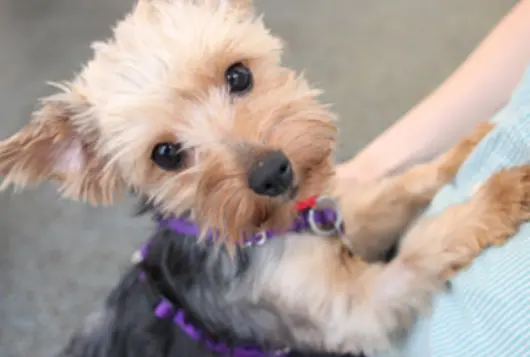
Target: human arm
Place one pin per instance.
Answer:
(474, 92)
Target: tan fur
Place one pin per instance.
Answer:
(361, 307)
(376, 214)
(161, 78)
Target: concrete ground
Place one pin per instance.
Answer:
(375, 59)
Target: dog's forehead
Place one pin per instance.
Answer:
(164, 48)
(160, 55)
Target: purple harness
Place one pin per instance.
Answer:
(324, 221)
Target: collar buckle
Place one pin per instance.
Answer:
(324, 203)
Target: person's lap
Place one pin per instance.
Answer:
(487, 310)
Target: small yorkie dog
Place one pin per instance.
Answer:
(258, 250)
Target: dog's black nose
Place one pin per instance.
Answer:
(272, 175)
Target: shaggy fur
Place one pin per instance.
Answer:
(162, 78)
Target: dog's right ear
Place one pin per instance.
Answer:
(54, 146)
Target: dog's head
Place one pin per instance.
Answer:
(188, 105)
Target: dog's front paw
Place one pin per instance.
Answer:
(494, 215)
(506, 196)
(463, 231)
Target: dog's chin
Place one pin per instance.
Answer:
(292, 193)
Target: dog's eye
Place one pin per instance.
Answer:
(167, 156)
(239, 78)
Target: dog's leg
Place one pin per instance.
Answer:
(377, 214)
(438, 246)
(356, 306)
(491, 217)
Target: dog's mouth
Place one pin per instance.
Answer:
(292, 192)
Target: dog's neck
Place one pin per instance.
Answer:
(185, 272)
(192, 282)
(203, 260)
(318, 214)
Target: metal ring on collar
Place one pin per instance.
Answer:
(248, 243)
(336, 225)
(262, 239)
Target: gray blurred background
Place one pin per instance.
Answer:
(374, 59)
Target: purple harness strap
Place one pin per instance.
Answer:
(326, 221)
(165, 309)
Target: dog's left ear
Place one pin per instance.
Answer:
(58, 145)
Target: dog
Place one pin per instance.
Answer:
(258, 249)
